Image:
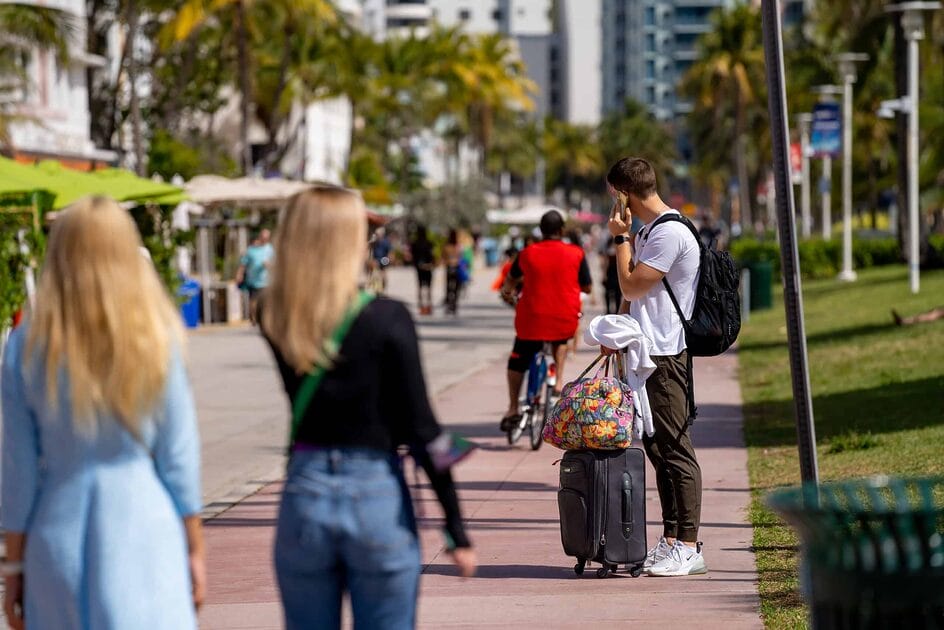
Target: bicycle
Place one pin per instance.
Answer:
(536, 404)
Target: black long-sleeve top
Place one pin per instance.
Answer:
(375, 396)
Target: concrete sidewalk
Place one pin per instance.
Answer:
(509, 499)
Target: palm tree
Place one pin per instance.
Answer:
(494, 78)
(195, 13)
(571, 151)
(352, 60)
(635, 131)
(26, 27)
(727, 78)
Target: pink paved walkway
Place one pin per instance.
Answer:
(509, 498)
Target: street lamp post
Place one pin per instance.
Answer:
(827, 92)
(847, 68)
(912, 23)
(804, 121)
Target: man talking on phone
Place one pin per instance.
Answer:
(667, 251)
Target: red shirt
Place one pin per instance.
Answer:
(552, 273)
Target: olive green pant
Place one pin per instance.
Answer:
(670, 449)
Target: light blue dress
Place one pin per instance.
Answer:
(105, 543)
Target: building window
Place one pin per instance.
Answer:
(464, 15)
(651, 95)
(650, 16)
(686, 41)
(651, 42)
(497, 15)
(650, 69)
(689, 16)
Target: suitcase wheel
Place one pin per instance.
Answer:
(578, 568)
(636, 571)
(605, 570)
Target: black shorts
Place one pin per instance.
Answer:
(425, 277)
(522, 353)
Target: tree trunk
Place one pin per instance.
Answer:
(740, 161)
(901, 132)
(353, 137)
(242, 44)
(274, 119)
(137, 142)
(568, 188)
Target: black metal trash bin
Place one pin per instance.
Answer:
(872, 551)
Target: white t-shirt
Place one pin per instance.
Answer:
(673, 250)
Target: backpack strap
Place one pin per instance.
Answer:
(665, 218)
(309, 385)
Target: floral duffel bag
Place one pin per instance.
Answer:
(594, 413)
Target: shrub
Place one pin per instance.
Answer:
(936, 251)
(819, 258)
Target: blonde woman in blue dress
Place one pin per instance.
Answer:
(100, 481)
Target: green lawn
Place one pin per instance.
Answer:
(878, 401)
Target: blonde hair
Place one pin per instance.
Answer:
(103, 316)
(320, 249)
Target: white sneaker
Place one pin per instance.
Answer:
(657, 554)
(681, 560)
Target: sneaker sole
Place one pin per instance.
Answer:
(695, 571)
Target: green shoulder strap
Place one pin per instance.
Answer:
(313, 379)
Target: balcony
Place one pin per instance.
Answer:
(418, 13)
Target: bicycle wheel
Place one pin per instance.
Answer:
(538, 418)
(515, 432)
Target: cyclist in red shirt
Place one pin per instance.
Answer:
(554, 274)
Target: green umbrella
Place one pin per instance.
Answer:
(23, 186)
(127, 186)
(20, 178)
(70, 185)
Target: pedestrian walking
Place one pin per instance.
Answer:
(100, 489)
(667, 254)
(421, 251)
(452, 259)
(253, 273)
(611, 290)
(350, 365)
(380, 250)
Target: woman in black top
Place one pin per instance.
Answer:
(346, 521)
(422, 253)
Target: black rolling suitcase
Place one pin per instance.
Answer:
(602, 502)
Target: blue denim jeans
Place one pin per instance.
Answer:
(346, 524)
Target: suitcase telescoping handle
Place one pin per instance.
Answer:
(627, 492)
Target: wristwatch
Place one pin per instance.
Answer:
(620, 239)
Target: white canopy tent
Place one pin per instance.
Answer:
(244, 192)
(529, 215)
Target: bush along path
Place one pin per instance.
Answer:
(878, 401)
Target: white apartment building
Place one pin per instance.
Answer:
(56, 103)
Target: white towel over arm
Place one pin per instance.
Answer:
(623, 332)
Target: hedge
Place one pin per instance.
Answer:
(822, 259)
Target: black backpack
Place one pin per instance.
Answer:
(716, 318)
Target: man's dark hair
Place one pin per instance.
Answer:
(633, 176)
(552, 224)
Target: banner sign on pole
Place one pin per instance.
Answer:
(826, 137)
(796, 162)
